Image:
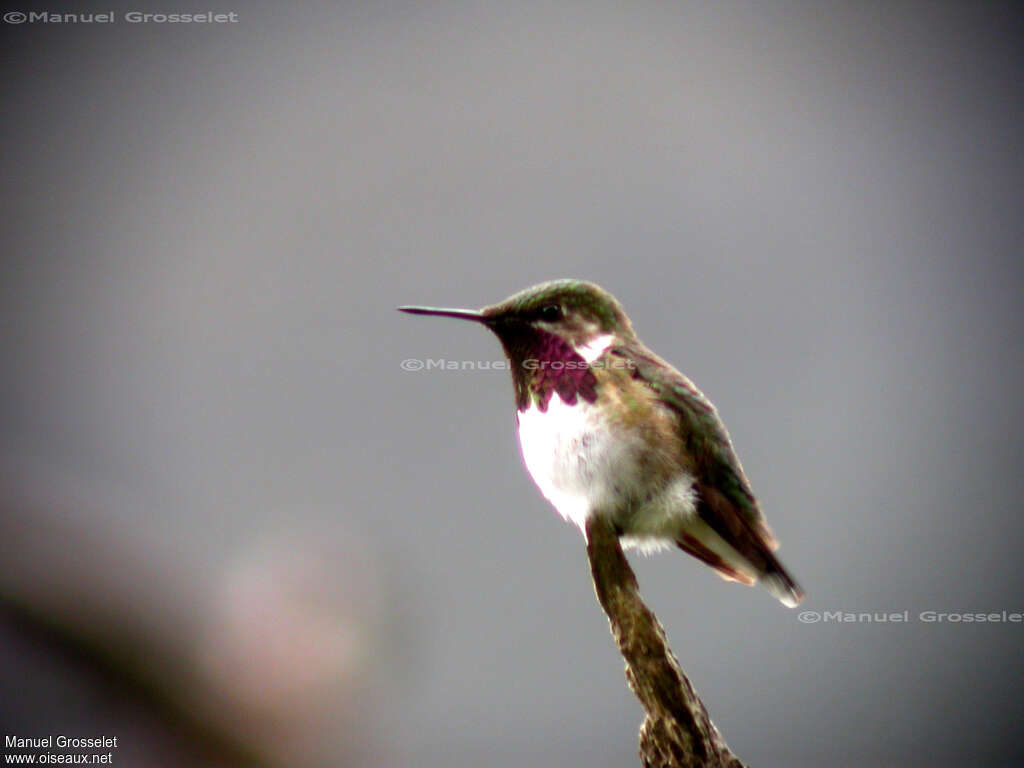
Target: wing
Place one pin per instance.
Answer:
(724, 498)
(727, 503)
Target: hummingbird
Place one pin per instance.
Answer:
(606, 427)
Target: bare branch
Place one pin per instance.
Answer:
(677, 731)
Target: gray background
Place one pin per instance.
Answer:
(812, 209)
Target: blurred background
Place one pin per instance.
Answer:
(234, 530)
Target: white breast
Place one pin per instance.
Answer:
(564, 449)
(571, 455)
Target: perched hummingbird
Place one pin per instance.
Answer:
(607, 427)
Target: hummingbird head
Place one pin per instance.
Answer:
(562, 321)
(578, 313)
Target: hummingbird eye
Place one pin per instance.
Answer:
(552, 313)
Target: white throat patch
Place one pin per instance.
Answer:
(590, 352)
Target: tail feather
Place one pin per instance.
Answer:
(755, 565)
(777, 580)
(730, 572)
(751, 541)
